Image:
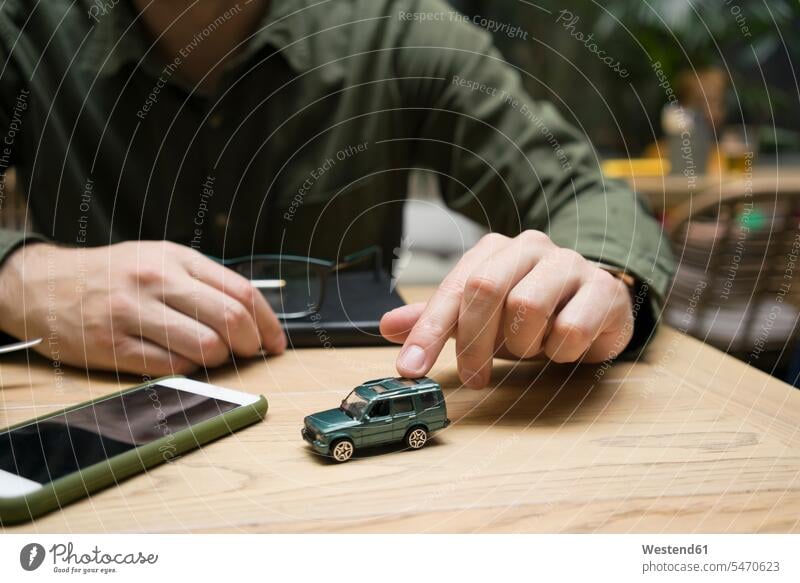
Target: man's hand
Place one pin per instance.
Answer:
(144, 307)
(515, 298)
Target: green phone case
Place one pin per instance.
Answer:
(77, 485)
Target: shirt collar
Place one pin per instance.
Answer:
(118, 38)
(285, 27)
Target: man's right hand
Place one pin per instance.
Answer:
(144, 307)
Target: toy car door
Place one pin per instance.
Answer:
(403, 415)
(377, 427)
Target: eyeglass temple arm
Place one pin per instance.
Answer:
(256, 283)
(374, 250)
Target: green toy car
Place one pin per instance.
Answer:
(379, 412)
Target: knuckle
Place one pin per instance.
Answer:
(451, 288)
(483, 288)
(516, 305)
(235, 316)
(147, 275)
(242, 290)
(564, 261)
(119, 304)
(491, 239)
(430, 329)
(490, 242)
(573, 334)
(178, 253)
(98, 332)
(566, 256)
(470, 357)
(524, 306)
(210, 344)
(534, 238)
(101, 337)
(124, 346)
(603, 279)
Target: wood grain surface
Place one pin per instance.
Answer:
(686, 439)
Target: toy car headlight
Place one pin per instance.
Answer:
(318, 436)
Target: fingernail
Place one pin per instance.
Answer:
(412, 359)
(282, 342)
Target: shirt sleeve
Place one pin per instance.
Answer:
(14, 102)
(512, 163)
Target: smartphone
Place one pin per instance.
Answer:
(48, 462)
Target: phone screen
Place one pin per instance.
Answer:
(62, 444)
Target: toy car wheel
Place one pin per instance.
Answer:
(417, 438)
(342, 450)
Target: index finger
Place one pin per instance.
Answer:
(238, 287)
(440, 316)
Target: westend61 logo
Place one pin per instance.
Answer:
(66, 560)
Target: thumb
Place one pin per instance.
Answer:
(396, 325)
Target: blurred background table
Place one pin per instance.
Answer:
(666, 193)
(687, 439)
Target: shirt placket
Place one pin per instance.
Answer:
(214, 193)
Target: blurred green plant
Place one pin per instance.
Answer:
(622, 114)
(691, 35)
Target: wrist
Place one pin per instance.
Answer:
(12, 285)
(642, 309)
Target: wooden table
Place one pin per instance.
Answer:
(687, 439)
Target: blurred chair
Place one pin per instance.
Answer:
(737, 286)
(434, 237)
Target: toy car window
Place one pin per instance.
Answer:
(390, 384)
(427, 400)
(354, 405)
(380, 409)
(403, 405)
(405, 382)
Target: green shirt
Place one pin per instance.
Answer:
(307, 146)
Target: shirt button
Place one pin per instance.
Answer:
(221, 220)
(216, 119)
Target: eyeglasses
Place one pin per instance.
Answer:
(293, 285)
(19, 345)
